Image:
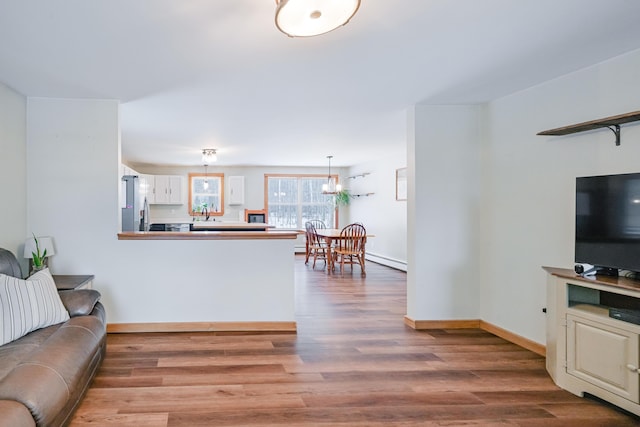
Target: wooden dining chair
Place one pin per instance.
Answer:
(315, 246)
(350, 246)
(317, 223)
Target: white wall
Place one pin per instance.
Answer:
(444, 147)
(381, 213)
(528, 198)
(13, 170)
(72, 182)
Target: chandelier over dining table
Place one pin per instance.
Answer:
(331, 186)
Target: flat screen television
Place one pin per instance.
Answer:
(608, 221)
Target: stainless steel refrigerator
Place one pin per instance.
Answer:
(135, 210)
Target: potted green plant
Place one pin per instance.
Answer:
(342, 198)
(39, 258)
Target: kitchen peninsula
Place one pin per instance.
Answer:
(216, 280)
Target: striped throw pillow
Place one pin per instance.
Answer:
(27, 305)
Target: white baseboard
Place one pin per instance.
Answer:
(389, 262)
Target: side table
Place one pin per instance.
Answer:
(72, 281)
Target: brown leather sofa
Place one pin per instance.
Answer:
(45, 374)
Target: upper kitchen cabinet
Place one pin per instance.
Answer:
(164, 189)
(236, 190)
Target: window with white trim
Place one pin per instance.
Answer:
(206, 194)
(292, 200)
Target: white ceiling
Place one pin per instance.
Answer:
(195, 74)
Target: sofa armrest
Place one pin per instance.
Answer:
(100, 313)
(79, 302)
(15, 414)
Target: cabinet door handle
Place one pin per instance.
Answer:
(633, 368)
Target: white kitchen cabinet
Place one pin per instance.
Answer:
(236, 190)
(175, 190)
(166, 190)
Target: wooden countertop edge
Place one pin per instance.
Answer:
(209, 235)
(616, 282)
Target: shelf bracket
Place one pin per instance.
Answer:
(616, 131)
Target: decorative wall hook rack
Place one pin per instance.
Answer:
(359, 175)
(612, 123)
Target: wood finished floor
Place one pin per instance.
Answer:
(352, 363)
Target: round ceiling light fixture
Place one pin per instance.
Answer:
(307, 18)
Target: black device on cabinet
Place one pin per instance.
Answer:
(608, 222)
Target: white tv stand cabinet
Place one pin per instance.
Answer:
(588, 351)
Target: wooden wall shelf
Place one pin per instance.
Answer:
(612, 123)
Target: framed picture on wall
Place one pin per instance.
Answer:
(401, 184)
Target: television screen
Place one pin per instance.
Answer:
(608, 221)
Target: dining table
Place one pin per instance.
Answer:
(330, 235)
